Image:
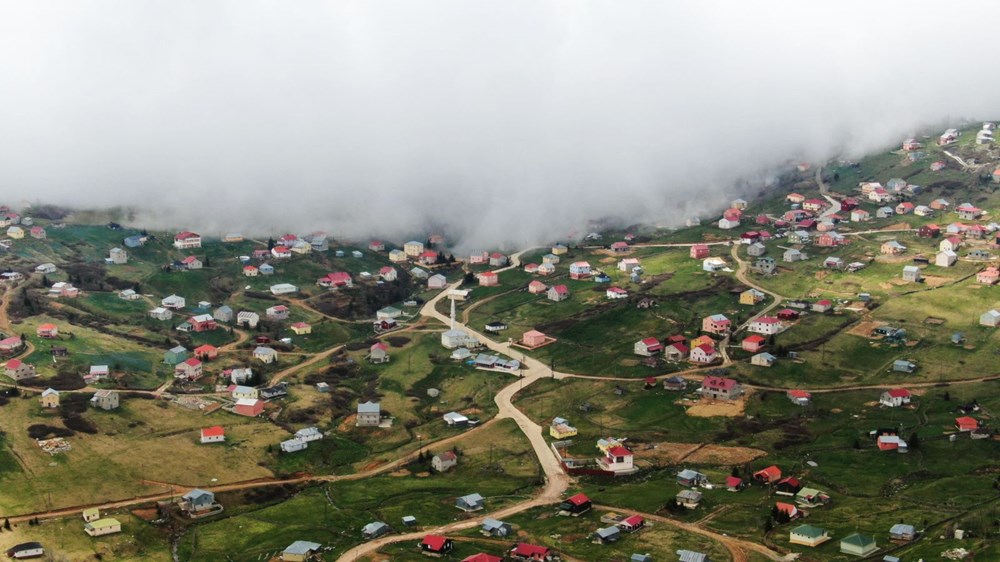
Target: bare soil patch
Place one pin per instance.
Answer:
(864, 329)
(714, 408)
(672, 453)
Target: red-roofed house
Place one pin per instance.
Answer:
(615, 293)
(766, 325)
(753, 343)
(788, 509)
(988, 276)
(13, 343)
(428, 257)
(537, 287)
(576, 504)
(489, 279)
(704, 354)
(822, 305)
(618, 460)
(768, 475)
(188, 370)
(376, 246)
(799, 397)
(795, 198)
(185, 240)
(524, 552)
(734, 483)
(436, 545)
(966, 423)
(388, 273)
(19, 370)
(788, 314)
(632, 523)
(720, 388)
(558, 293)
(968, 212)
(250, 271)
(337, 279)
(676, 351)
(301, 328)
(648, 347)
(214, 434)
(895, 397)
(49, 331)
(281, 252)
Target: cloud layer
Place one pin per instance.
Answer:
(501, 122)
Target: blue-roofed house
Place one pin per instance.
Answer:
(197, 500)
(495, 528)
(608, 534)
(374, 530)
(688, 477)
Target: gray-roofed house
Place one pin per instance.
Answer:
(300, 551)
(471, 502)
(911, 273)
(990, 318)
(691, 556)
(793, 255)
(224, 314)
(105, 399)
(756, 249)
(608, 534)
(902, 532)
(369, 414)
(293, 445)
(903, 366)
(640, 558)
(688, 498)
(495, 528)
(764, 265)
(374, 530)
(688, 477)
(197, 500)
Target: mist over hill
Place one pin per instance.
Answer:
(500, 122)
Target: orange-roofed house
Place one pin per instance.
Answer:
(753, 343)
(768, 475)
(214, 434)
(49, 331)
(206, 352)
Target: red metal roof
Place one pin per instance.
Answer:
(525, 549)
(634, 520)
(899, 393)
(434, 542)
(619, 451)
(578, 499)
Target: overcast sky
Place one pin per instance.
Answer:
(509, 121)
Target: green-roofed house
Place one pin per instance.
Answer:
(807, 535)
(858, 544)
(106, 526)
(92, 514)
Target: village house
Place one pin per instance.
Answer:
(720, 388)
(49, 398)
(283, 288)
(265, 354)
(105, 399)
(533, 338)
(966, 423)
(618, 460)
(688, 498)
(101, 527)
(753, 344)
(47, 331)
(911, 273)
(990, 318)
(471, 502)
(895, 397)
(902, 532)
(811, 497)
(189, 370)
(202, 323)
(857, 545)
(266, 269)
(860, 215)
(711, 264)
(369, 414)
(923, 211)
(703, 354)
(558, 293)
(766, 325)
(648, 347)
(579, 270)
(206, 352)
(752, 297)
(247, 319)
(18, 370)
(764, 265)
(214, 434)
(967, 211)
(63, 289)
(436, 545)
(807, 535)
(716, 324)
(799, 397)
(792, 255)
(398, 256)
(945, 258)
(676, 351)
(374, 530)
(495, 528)
(15, 232)
(699, 251)
(237, 392)
(892, 248)
(833, 262)
(763, 360)
(561, 429)
(187, 240)
(277, 312)
(118, 256)
(442, 462)
(524, 552)
(988, 276)
(10, 345)
(769, 475)
(281, 252)
(173, 302)
(691, 478)
(46, 268)
(413, 248)
(951, 243)
(489, 279)
(756, 250)
(249, 407)
(191, 262)
(301, 328)
(197, 500)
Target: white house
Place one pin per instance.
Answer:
(946, 258)
(283, 289)
(766, 325)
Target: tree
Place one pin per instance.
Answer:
(207, 263)
(271, 243)
(768, 525)
(735, 471)
(914, 441)
(6, 524)
(947, 396)
(857, 444)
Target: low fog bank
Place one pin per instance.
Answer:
(503, 124)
